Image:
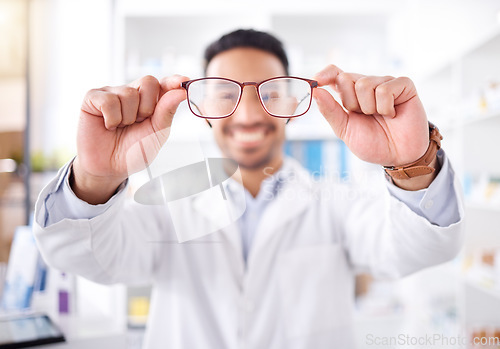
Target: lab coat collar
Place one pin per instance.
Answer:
(291, 198)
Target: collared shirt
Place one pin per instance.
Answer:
(255, 206)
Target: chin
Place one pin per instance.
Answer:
(252, 161)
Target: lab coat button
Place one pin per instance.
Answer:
(429, 204)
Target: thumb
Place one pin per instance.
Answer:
(166, 108)
(332, 111)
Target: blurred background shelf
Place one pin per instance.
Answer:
(451, 50)
(477, 120)
(485, 289)
(484, 206)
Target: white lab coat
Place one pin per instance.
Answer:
(297, 290)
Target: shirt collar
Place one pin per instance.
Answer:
(271, 184)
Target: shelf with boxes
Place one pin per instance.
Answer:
(481, 269)
(480, 272)
(462, 97)
(485, 287)
(467, 86)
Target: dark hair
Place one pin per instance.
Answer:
(247, 38)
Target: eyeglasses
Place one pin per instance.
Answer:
(217, 98)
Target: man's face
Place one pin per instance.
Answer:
(250, 136)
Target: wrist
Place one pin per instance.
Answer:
(90, 188)
(420, 182)
(424, 166)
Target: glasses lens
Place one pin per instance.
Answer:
(286, 97)
(213, 98)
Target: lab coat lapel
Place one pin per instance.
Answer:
(293, 197)
(203, 206)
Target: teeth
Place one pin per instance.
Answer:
(248, 136)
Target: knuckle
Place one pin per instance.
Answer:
(163, 82)
(170, 78)
(91, 94)
(332, 67)
(405, 80)
(382, 90)
(149, 80)
(110, 101)
(129, 92)
(335, 67)
(362, 84)
(344, 77)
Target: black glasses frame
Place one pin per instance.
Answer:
(242, 85)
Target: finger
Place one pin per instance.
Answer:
(171, 83)
(99, 102)
(365, 92)
(328, 76)
(347, 92)
(149, 91)
(129, 101)
(332, 111)
(166, 108)
(392, 93)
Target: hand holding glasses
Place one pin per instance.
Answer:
(217, 98)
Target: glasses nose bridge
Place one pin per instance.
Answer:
(250, 83)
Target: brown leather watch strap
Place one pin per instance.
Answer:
(421, 166)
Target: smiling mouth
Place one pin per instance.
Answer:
(249, 137)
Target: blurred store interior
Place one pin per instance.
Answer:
(53, 51)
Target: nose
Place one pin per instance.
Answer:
(249, 110)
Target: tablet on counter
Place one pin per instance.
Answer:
(24, 331)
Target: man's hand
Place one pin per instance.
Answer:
(112, 122)
(384, 121)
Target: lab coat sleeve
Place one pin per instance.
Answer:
(62, 202)
(388, 237)
(438, 203)
(107, 243)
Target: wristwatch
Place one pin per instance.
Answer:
(421, 166)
